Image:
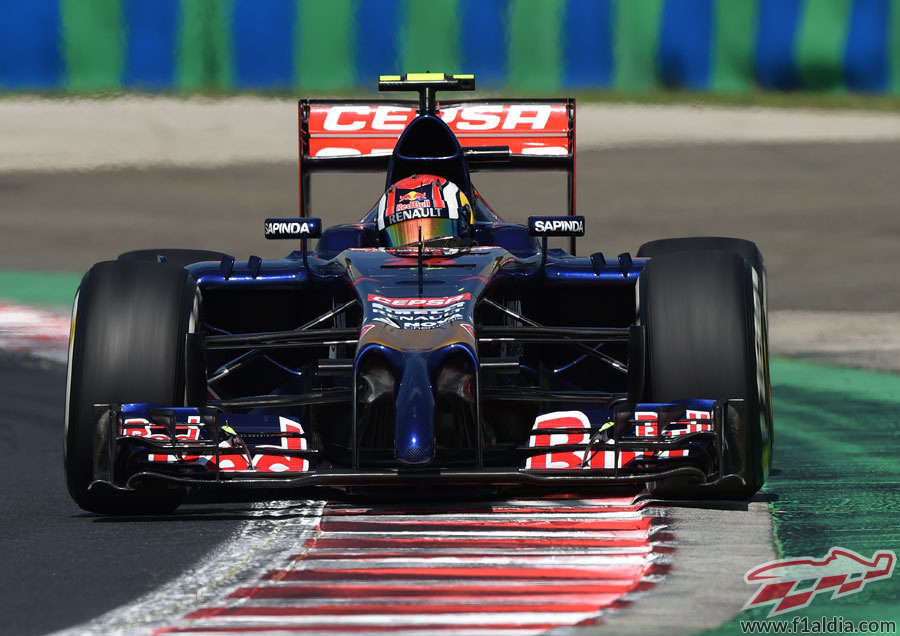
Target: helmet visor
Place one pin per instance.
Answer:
(407, 232)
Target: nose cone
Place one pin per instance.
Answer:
(415, 355)
(414, 431)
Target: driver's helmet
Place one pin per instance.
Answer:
(427, 208)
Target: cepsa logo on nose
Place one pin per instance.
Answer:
(441, 301)
(513, 117)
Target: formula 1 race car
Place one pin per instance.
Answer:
(430, 343)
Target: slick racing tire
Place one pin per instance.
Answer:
(744, 248)
(177, 257)
(127, 344)
(705, 338)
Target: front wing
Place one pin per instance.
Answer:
(695, 440)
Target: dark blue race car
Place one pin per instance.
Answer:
(430, 343)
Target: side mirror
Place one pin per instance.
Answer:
(556, 226)
(547, 226)
(306, 227)
(294, 228)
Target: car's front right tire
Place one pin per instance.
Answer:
(705, 338)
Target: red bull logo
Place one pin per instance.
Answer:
(789, 584)
(412, 195)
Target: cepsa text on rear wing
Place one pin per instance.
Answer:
(359, 135)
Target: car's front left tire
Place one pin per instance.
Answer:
(127, 344)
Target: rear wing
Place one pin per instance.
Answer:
(510, 134)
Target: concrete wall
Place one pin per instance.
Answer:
(316, 46)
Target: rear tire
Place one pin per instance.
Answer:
(704, 322)
(177, 257)
(127, 344)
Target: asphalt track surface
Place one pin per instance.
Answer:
(825, 216)
(61, 566)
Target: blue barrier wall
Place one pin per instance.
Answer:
(544, 45)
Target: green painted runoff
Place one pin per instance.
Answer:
(835, 479)
(38, 288)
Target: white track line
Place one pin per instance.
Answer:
(241, 560)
